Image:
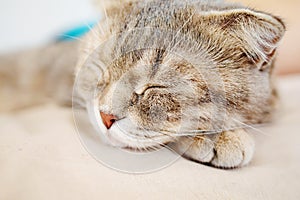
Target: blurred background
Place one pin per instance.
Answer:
(31, 23)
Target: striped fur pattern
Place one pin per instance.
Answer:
(181, 69)
(189, 73)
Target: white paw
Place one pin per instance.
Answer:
(199, 149)
(232, 149)
(228, 149)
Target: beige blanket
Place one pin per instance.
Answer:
(41, 157)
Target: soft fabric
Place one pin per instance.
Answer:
(41, 157)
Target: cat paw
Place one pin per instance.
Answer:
(229, 149)
(232, 149)
(200, 148)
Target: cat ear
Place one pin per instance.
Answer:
(258, 32)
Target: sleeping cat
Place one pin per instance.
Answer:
(191, 73)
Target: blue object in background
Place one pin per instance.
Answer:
(76, 32)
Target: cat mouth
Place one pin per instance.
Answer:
(124, 134)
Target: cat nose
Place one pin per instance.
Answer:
(107, 119)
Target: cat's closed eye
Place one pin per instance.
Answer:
(142, 90)
(138, 93)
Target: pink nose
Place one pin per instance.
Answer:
(107, 119)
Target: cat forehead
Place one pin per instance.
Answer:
(151, 65)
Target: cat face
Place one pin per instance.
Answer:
(148, 103)
(149, 96)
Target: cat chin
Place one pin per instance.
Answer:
(124, 134)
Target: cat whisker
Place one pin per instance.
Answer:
(155, 148)
(100, 27)
(192, 133)
(105, 13)
(70, 37)
(159, 146)
(251, 127)
(91, 29)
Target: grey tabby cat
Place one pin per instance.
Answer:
(178, 70)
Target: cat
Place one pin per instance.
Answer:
(188, 73)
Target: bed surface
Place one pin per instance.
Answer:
(41, 157)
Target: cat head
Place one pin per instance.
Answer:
(217, 60)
